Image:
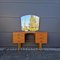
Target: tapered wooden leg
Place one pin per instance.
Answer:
(40, 45)
(19, 46)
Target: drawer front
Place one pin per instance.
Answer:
(18, 37)
(41, 37)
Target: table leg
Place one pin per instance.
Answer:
(19, 46)
(40, 45)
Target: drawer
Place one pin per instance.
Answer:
(18, 37)
(41, 37)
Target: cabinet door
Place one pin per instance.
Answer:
(18, 37)
(41, 37)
